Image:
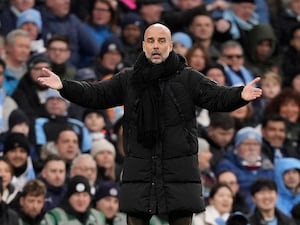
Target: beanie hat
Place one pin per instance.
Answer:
(52, 93)
(30, 15)
(247, 133)
(110, 44)
(17, 116)
(203, 145)
(78, 184)
(15, 140)
(98, 111)
(107, 188)
(102, 145)
(37, 58)
(237, 218)
(85, 74)
(132, 18)
(241, 1)
(182, 38)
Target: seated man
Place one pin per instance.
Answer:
(247, 161)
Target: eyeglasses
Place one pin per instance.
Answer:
(85, 169)
(233, 56)
(248, 144)
(101, 10)
(58, 49)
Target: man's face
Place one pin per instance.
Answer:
(233, 56)
(55, 172)
(32, 205)
(243, 10)
(111, 59)
(132, 34)
(20, 49)
(36, 70)
(59, 52)
(157, 43)
(249, 150)
(265, 199)
(109, 206)
(56, 106)
(80, 201)
(67, 145)
(188, 4)
(23, 5)
(291, 179)
(221, 136)
(263, 50)
(17, 157)
(59, 7)
(274, 132)
(202, 27)
(85, 167)
(230, 179)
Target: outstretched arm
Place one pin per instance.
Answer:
(50, 79)
(250, 92)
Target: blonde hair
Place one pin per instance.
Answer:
(271, 75)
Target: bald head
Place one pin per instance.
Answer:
(157, 43)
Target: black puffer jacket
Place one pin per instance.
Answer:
(165, 178)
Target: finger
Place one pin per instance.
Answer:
(47, 72)
(256, 80)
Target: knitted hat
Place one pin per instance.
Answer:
(15, 140)
(78, 184)
(237, 218)
(247, 133)
(107, 188)
(37, 58)
(17, 116)
(98, 111)
(85, 74)
(30, 15)
(241, 1)
(203, 145)
(132, 18)
(52, 93)
(111, 44)
(102, 145)
(182, 38)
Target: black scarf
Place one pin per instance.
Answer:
(145, 80)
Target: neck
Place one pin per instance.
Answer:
(205, 43)
(14, 63)
(268, 214)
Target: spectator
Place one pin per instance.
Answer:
(264, 194)
(247, 161)
(7, 104)
(239, 203)
(59, 52)
(31, 203)
(219, 208)
(75, 207)
(287, 177)
(107, 202)
(182, 42)
(10, 14)
(16, 151)
(18, 52)
(58, 20)
(7, 190)
(53, 175)
(7, 215)
(34, 103)
(197, 57)
(47, 128)
(216, 73)
(232, 58)
(244, 116)
(30, 20)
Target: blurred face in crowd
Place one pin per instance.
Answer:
(216, 75)
(111, 59)
(80, 202)
(270, 87)
(36, 70)
(101, 14)
(151, 13)
(249, 150)
(105, 159)
(109, 206)
(19, 50)
(67, 145)
(6, 173)
(132, 34)
(291, 179)
(94, 122)
(265, 199)
(32, 205)
(202, 27)
(56, 106)
(204, 158)
(85, 167)
(221, 136)
(196, 59)
(243, 10)
(17, 157)
(55, 172)
(58, 52)
(23, 5)
(290, 110)
(294, 5)
(274, 133)
(59, 8)
(188, 4)
(230, 179)
(31, 28)
(295, 41)
(222, 200)
(157, 43)
(233, 56)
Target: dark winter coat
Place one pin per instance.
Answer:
(164, 178)
(7, 215)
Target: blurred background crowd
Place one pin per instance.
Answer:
(62, 162)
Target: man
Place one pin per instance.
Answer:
(264, 195)
(247, 161)
(160, 132)
(75, 207)
(53, 175)
(31, 203)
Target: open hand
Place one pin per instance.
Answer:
(250, 92)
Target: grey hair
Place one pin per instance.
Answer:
(11, 36)
(84, 156)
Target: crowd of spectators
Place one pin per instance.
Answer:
(62, 163)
